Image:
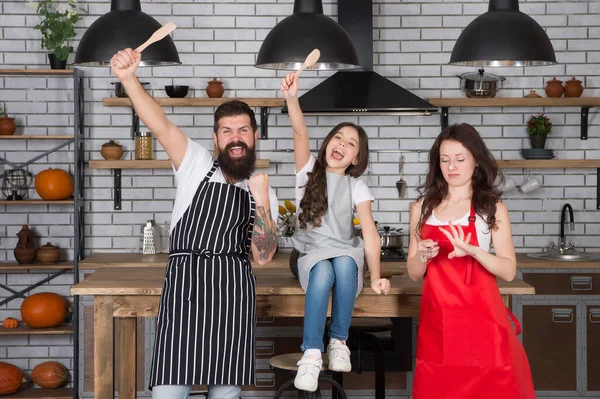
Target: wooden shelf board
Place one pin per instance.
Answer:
(59, 72)
(549, 163)
(151, 164)
(516, 102)
(64, 329)
(35, 266)
(197, 102)
(36, 137)
(37, 393)
(36, 202)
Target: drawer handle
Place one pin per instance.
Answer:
(562, 315)
(265, 348)
(265, 381)
(581, 283)
(265, 320)
(594, 315)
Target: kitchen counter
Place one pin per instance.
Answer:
(281, 260)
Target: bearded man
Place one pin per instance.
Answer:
(207, 315)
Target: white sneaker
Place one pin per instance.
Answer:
(339, 356)
(307, 378)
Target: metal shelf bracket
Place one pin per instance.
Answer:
(117, 189)
(584, 122)
(264, 123)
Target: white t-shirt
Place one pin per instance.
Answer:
(484, 235)
(196, 163)
(360, 191)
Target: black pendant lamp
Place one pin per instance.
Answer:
(503, 36)
(291, 40)
(124, 26)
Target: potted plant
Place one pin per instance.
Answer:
(538, 127)
(57, 26)
(287, 219)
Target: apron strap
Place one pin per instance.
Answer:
(471, 262)
(515, 321)
(211, 171)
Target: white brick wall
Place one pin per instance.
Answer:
(414, 40)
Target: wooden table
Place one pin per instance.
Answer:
(130, 292)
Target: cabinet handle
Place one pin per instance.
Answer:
(265, 380)
(595, 315)
(581, 283)
(562, 315)
(265, 348)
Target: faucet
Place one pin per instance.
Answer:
(561, 245)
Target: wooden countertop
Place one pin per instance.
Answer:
(270, 281)
(388, 268)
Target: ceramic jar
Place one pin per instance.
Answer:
(48, 254)
(573, 88)
(532, 94)
(111, 151)
(25, 251)
(7, 126)
(554, 88)
(215, 88)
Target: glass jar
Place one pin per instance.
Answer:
(143, 145)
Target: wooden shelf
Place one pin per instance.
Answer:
(37, 202)
(38, 393)
(197, 102)
(516, 102)
(549, 163)
(35, 266)
(151, 164)
(58, 72)
(35, 137)
(23, 329)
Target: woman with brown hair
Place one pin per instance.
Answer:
(332, 256)
(466, 345)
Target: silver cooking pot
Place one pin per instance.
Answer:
(390, 238)
(480, 84)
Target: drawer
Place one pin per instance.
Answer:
(564, 283)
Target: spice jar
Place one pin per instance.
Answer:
(143, 145)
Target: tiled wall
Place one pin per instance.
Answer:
(413, 42)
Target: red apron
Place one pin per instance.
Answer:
(466, 346)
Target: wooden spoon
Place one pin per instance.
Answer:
(158, 35)
(310, 60)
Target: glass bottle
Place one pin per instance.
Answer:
(143, 145)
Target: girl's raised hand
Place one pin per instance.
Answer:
(289, 85)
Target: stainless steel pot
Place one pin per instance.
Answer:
(480, 84)
(390, 238)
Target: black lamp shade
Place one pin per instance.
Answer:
(124, 26)
(291, 40)
(503, 36)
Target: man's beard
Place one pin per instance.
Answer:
(238, 168)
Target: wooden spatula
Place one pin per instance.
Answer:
(310, 60)
(158, 35)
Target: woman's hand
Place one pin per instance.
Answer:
(381, 286)
(457, 238)
(427, 249)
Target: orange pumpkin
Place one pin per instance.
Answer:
(54, 184)
(50, 374)
(11, 378)
(10, 322)
(42, 310)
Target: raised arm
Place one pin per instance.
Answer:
(171, 138)
(289, 87)
(264, 234)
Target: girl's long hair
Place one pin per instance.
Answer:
(485, 193)
(314, 203)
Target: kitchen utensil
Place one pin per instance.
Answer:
(215, 88)
(14, 184)
(530, 185)
(532, 94)
(480, 84)
(554, 88)
(177, 91)
(401, 184)
(48, 254)
(148, 243)
(390, 237)
(111, 151)
(158, 35)
(573, 88)
(310, 60)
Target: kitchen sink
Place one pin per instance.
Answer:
(571, 257)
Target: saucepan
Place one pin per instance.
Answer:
(480, 84)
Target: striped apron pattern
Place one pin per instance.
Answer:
(207, 315)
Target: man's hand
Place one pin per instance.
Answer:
(259, 187)
(125, 63)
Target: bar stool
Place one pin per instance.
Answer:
(288, 362)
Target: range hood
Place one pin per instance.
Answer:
(361, 91)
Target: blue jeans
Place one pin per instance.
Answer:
(183, 391)
(341, 274)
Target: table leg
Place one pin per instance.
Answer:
(127, 357)
(103, 348)
(507, 300)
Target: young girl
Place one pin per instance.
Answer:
(466, 346)
(329, 192)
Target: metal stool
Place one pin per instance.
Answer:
(288, 362)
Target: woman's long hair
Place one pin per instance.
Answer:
(314, 203)
(485, 193)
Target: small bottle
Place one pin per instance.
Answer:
(148, 244)
(143, 145)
